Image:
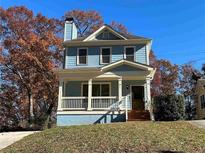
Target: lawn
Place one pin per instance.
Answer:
(117, 137)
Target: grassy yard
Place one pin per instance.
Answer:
(116, 137)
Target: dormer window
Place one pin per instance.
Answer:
(129, 53)
(82, 56)
(105, 55)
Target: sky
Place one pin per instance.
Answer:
(177, 27)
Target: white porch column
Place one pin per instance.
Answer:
(149, 101)
(119, 89)
(89, 94)
(60, 94)
(148, 93)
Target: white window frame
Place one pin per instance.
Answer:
(134, 51)
(202, 101)
(101, 59)
(78, 56)
(84, 83)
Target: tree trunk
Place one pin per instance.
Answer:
(31, 115)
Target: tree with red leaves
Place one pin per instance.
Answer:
(187, 88)
(169, 77)
(89, 21)
(166, 76)
(86, 21)
(31, 49)
(119, 27)
(156, 82)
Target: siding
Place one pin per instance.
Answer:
(70, 31)
(75, 32)
(140, 55)
(94, 56)
(67, 33)
(124, 68)
(68, 120)
(200, 91)
(117, 53)
(73, 88)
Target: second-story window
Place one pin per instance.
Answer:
(82, 56)
(105, 56)
(129, 53)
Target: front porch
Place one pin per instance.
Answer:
(110, 91)
(100, 95)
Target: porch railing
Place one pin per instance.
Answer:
(97, 103)
(104, 102)
(74, 103)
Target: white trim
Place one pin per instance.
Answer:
(77, 60)
(60, 94)
(93, 35)
(120, 87)
(118, 63)
(84, 83)
(107, 75)
(104, 42)
(76, 97)
(101, 97)
(147, 51)
(90, 84)
(89, 112)
(101, 61)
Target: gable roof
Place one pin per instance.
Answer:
(127, 35)
(119, 34)
(91, 36)
(126, 62)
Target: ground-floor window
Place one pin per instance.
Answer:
(202, 98)
(98, 89)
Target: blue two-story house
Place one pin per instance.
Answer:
(105, 78)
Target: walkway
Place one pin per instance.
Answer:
(8, 138)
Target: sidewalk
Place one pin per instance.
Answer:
(198, 123)
(8, 138)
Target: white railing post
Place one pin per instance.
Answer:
(60, 94)
(73, 103)
(89, 94)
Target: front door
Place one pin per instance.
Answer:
(137, 97)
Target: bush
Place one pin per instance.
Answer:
(168, 107)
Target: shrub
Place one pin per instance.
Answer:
(168, 107)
